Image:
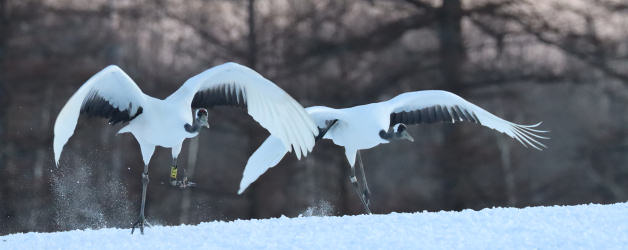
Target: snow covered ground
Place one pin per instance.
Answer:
(566, 227)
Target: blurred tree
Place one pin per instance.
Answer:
(4, 35)
(560, 61)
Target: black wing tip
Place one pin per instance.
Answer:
(434, 114)
(227, 94)
(97, 106)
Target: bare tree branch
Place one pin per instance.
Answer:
(612, 5)
(491, 7)
(376, 39)
(421, 5)
(207, 36)
(542, 31)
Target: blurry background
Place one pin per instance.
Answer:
(564, 62)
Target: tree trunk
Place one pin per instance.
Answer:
(193, 147)
(4, 36)
(253, 193)
(452, 55)
(252, 55)
(5, 188)
(503, 145)
(452, 49)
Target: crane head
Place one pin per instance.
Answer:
(201, 116)
(400, 131)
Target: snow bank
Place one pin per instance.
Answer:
(568, 227)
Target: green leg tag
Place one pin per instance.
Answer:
(173, 172)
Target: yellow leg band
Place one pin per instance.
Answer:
(173, 172)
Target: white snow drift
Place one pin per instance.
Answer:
(565, 227)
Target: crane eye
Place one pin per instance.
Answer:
(402, 127)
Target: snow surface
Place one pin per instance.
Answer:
(565, 227)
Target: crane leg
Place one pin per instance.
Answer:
(173, 172)
(354, 183)
(141, 221)
(365, 187)
(184, 182)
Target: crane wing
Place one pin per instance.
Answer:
(110, 94)
(236, 85)
(431, 106)
(270, 153)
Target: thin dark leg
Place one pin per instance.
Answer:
(141, 221)
(354, 182)
(365, 186)
(185, 183)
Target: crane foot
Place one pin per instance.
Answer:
(185, 183)
(141, 222)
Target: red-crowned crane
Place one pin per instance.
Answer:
(112, 94)
(366, 126)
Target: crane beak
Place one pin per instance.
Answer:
(407, 136)
(202, 121)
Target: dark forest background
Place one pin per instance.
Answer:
(564, 62)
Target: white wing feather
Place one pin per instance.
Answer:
(113, 85)
(268, 104)
(270, 153)
(411, 101)
(321, 115)
(272, 150)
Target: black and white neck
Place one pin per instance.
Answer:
(396, 132)
(194, 128)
